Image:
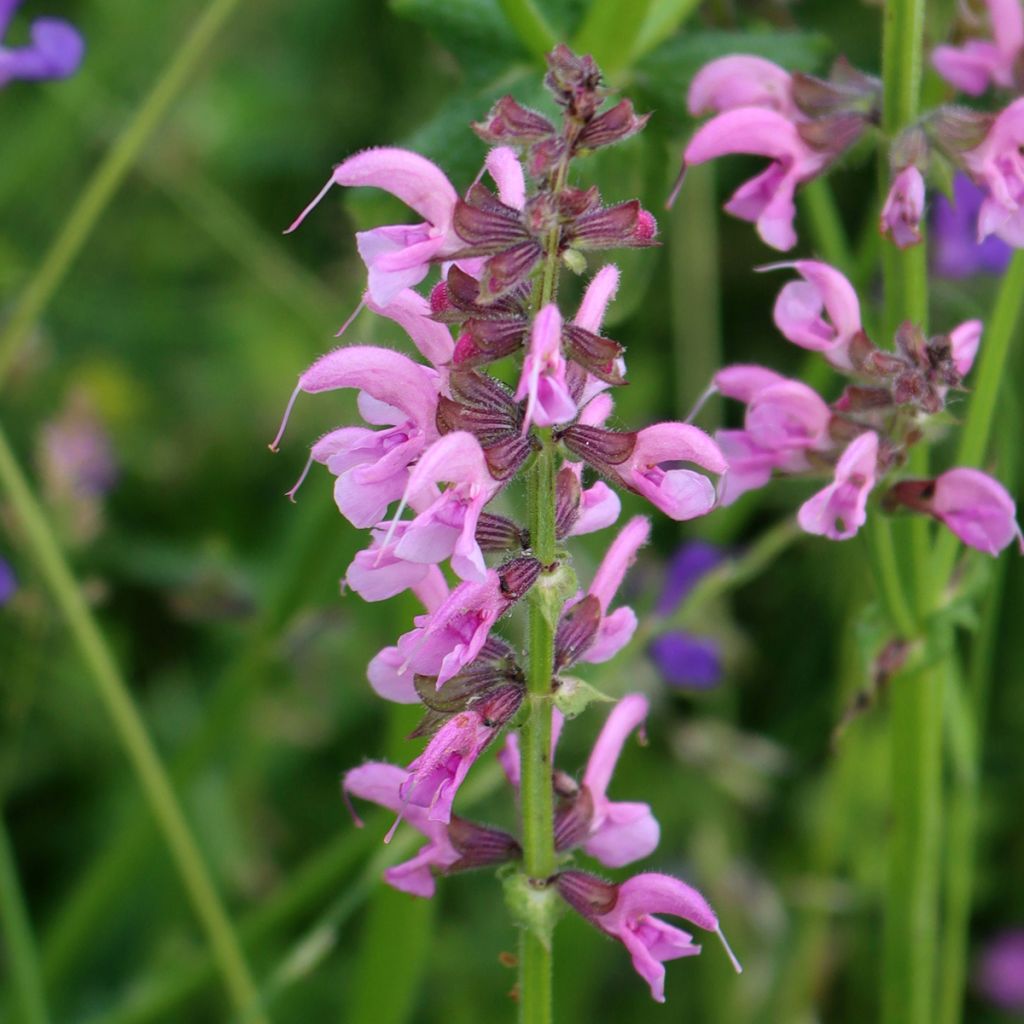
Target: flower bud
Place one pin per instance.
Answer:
(623, 225)
(597, 446)
(509, 121)
(499, 533)
(612, 126)
(479, 846)
(587, 894)
(518, 575)
(576, 632)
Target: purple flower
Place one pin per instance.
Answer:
(903, 209)
(1000, 971)
(840, 510)
(976, 64)
(543, 383)
(55, 49)
(688, 566)
(8, 582)
(998, 165)
(956, 251)
(977, 509)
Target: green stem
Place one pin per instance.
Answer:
(909, 939)
(22, 961)
(530, 25)
(130, 729)
(107, 178)
(826, 225)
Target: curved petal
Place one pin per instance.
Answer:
(740, 80)
(601, 290)
(504, 167)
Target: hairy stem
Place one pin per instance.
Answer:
(909, 939)
(130, 729)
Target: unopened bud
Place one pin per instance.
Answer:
(479, 846)
(576, 631)
(612, 126)
(509, 121)
(587, 894)
(499, 533)
(518, 575)
(597, 446)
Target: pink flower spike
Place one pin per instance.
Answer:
(620, 833)
(767, 199)
(446, 523)
(543, 383)
(904, 207)
(412, 313)
(964, 341)
(798, 311)
(973, 66)
(840, 510)
(601, 290)
(741, 80)
(978, 509)
(998, 166)
(379, 783)
(680, 493)
(504, 167)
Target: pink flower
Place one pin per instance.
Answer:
(372, 467)
(998, 166)
(399, 256)
(446, 521)
(741, 80)
(626, 912)
(798, 311)
(766, 200)
(504, 167)
(840, 510)
(594, 304)
(904, 208)
(963, 342)
(977, 509)
(455, 846)
(974, 65)
(743, 381)
(750, 466)
(620, 833)
(378, 572)
(680, 493)
(542, 383)
(599, 506)
(412, 313)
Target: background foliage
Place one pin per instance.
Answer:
(182, 325)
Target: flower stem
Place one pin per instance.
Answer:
(22, 962)
(909, 940)
(131, 731)
(106, 179)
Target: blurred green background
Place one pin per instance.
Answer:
(175, 338)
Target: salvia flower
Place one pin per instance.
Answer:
(840, 510)
(956, 251)
(627, 912)
(904, 208)
(455, 845)
(399, 256)
(998, 166)
(54, 50)
(999, 976)
(971, 68)
(543, 381)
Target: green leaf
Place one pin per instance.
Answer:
(610, 30)
(663, 18)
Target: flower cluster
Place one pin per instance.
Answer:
(428, 472)
(54, 50)
(865, 434)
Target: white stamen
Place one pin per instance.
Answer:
(355, 312)
(710, 390)
(736, 965)
(392, 526)
(273, 446)
(290, 495)
(302, 216)
(676, 188)
(781, 265)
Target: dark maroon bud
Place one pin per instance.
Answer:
(439, 302)
(574, 202)
(575, 82)
(833, 134)
(493, 668)
(625, 224)
(916, 495)
(499, 533)
(860, 351)
(909, 149)
(543, 157)
(507, 269)
(598, 446)
(599, 355)
(518, 575)
(488, 426)
(479, 845)
(612, 126)
(485, 230)
(509, 121)
(587, 894)
(575, 381)
(844, 75)
(911, 342)
(506, 457)
(576, 632)
(573, 817)
(856, 399)
(466, 354)
(480, 389)
(958, 129)
(909, 388)
(841, 430)
(499, 707)
(541, 214)
(496, 339)
(568, 494)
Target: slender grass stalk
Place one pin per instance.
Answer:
(530, 25)
(107, 178)
(22, 962)
(130, 729)
(911, 918)
(827, 229)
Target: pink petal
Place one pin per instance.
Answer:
(743, 380)
(619, 557)
(740, 80)
(601, 290)
(964, 341)
(504, 167)
(412, 313)
(627, 715)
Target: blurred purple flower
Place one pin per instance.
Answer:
(54, 50)
(76, 453)
(685, 660)
(1000, 973)
(955, 248)
(8, 582)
